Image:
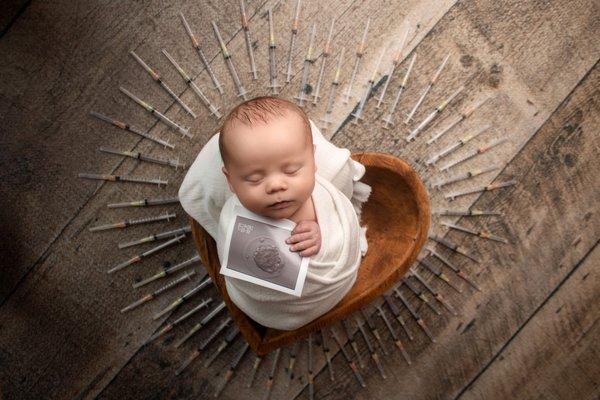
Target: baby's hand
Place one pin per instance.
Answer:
(306, 238)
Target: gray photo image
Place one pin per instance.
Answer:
(257, 253)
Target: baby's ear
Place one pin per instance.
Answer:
(227, 177)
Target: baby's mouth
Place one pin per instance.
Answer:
(281, 204)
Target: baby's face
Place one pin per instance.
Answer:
(270, 163)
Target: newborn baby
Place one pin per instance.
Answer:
(268, 156)
(266, 161)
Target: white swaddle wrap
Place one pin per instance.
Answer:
(204, 193)
(331, 272)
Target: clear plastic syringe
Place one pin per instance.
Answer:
(210, 316)
(396, 311)
(167, 271)
(370, 84)
(232, 71)
(145, 203)
(308, 60)
(196, 353)
(272, 373)
(438, 296)
(466, 213)
(395, 336)
(333, 89)
(203, 58)
(461, 117)
(309, 368)
(214, 110)
(395, 63)
(292, 363)
(130, 222)
(360, 51)
(145, 254)
(482, 234)
(325, 55)
(389, 118)
(143, 157)
(155, 113)
(453, 267)
(416, 316)
(232, 367)
(156, 236)
(226, 341)
(438, 110)
(181, 299)
(128, 128)
(203, 303)
(273, 84)
(151, 296)
(493, 186)
(464, 176)
(372, 351)
(427, 89)
(123, 178)
(347, 357)
(246, 29)
(456, 145)
(454, 247)
(472, 154)
(288, 77)
(156, 77)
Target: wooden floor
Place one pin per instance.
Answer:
(529, 333)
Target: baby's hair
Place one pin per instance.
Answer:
(259, 110)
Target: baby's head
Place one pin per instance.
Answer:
(268, 156)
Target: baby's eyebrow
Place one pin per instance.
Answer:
(259, 170)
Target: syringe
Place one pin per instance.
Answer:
(466, 213)
(374, 331)
(395, 336)
(145, 254)
(389, 118)
(352, 341)
(427, 89)
(123, 178)
(291, 363)
(396, 311)
(434, 292)
(273, 85)
(309, 368)
(333, 89)
(454, 268)
(181, 299)
(487, 188)
(438, 273)
(252, 375)
(271, 377)
(454, 247)
(416, 316)
(155, 113)
(246, 29)
(461, 117)
(370, 84)
(156, 77)
(150, 296)
(167, 271)
(474, 153)
(128, 128)
(351, 363)
(374, 354)
(201, 324)
(203, 58)
(419, 293)
(464, 176)
(156, 236)
(438, 110)
(232, 367)
(226, 341)
(232, 71)
(130, 222)
(395, 63)
(196, 353)
(288, 77)
(143, 157)
(360, 51)
(145, 203)
(456, 145)
(204, 303)
(324, 56)
(308, 60)
(214, 110)
(327, 354)
(482, 234)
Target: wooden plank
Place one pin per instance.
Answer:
(556, 171)
(11, 10)
(555, 355)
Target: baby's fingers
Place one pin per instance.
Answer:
(298, 237)
(311, 251)
(303, 245)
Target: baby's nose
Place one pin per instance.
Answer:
(276, 184)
